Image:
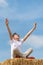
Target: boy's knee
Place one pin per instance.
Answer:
(31, 49)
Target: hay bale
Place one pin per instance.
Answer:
(0, 63)
(22, 61)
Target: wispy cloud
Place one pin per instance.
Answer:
(4, 54)
(36, 41)
(3, 3)
(15, 12)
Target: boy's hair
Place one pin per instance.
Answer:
(15, 34)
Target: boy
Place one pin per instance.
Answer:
(16, 43)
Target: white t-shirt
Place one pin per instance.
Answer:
(16, 44)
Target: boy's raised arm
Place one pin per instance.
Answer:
(29, 33)
(8, 28)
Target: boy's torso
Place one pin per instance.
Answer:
(16, 44)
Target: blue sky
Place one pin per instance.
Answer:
(21, 15)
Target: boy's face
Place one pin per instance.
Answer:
(16, 37)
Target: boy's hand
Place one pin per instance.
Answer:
(35, 25)
(6, 22)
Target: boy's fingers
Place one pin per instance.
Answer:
(35, 23)
(6, 19)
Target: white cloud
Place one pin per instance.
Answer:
(36, 41)
(3, 3)
(27, 15)
(13, 12)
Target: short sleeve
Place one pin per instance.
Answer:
(21, 40)
(11, 41)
